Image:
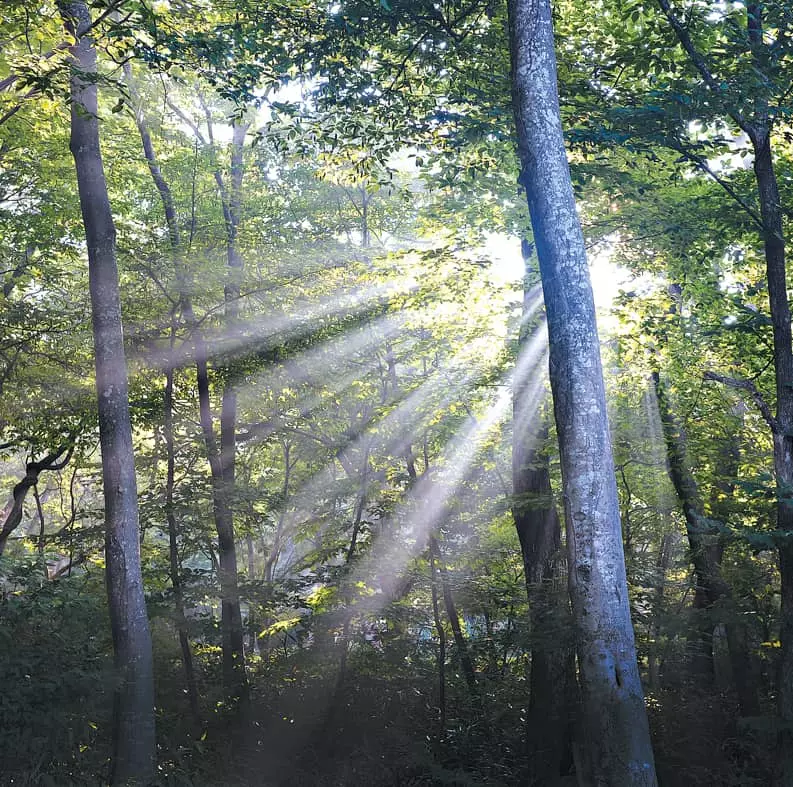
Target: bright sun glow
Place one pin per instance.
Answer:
(607, 277)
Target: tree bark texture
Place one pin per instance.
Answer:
(134, 752)
(614, 722)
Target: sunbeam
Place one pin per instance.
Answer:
(429, 497)
(409, 413)
(264, 334)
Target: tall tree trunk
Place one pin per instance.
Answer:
(614, 716)
(774, 241)
(654, 651)
(173, 548)
(221, 460)
(134, 752)
(738, 632)
(253, 637)
(757, 125)
(174, 236)
(231, 616)
(703, 538)
(358, 512)
(539, 532)
(706, 549)
(552, 656)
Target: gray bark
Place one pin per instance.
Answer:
(134, 751)
(614, 719)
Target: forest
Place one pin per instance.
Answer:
(396, 393)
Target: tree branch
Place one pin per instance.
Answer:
(702, 163)
(751, 389)
(699, 61)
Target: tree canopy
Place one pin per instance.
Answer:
(310, 474)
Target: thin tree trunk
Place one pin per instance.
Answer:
(552, 654)
(774, 240)
(134, 753)
(436, 615)
(757, 125)
(231, 616)
(173, 548)
(614, 716)
(653, 652)
(703, 538)
(221, 460)
(738, 632)
(40, 543)
(253, 639)
(360, 504)
(172, 223)
(552, 674)
(460, 642)
(15, 509)
(706, 554)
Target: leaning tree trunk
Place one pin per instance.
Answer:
(13, 514)
(614, 716)
(704, 541)
(134, 737)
